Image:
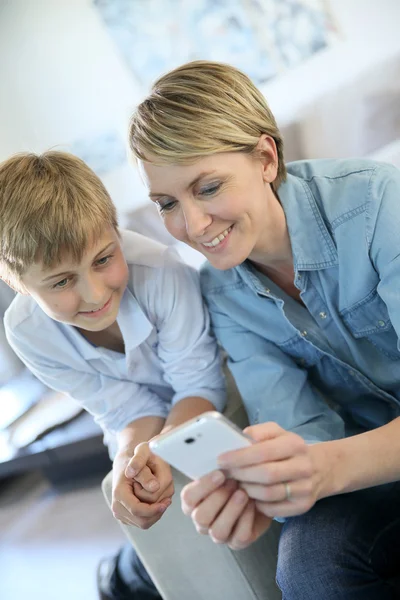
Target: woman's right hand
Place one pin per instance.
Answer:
(126, 505)
(220, 509)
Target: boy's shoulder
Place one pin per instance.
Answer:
(22, 308)
(142, 251)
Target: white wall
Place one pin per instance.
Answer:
(344, 101)
(62, 78)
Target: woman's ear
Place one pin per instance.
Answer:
(266, 150)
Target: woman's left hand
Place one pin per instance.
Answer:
(278, 471)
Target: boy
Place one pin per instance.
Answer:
(116, 321)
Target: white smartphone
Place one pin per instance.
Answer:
(194, 446)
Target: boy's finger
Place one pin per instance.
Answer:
(138, 460)
(147, 480)
(131, 518)
(144, 510)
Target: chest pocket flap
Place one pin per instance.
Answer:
(368, 317)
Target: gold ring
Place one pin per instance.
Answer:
(288, 491)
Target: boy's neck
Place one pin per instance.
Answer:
(110, 338)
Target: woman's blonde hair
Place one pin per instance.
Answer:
(51, 205)
(199, 109)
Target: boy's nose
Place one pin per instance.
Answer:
(92, 293)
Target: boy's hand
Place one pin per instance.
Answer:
(129, 508)
(152, 476)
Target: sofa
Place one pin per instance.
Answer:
(184, 564)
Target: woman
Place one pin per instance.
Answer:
(302, 285)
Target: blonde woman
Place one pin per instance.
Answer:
(302, 284)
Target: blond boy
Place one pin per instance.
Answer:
(114, 320)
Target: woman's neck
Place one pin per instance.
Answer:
(273, 252)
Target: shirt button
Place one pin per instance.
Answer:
(381, 323)
(352, 373)
(322, 315)
(303, 333)
(267, 290)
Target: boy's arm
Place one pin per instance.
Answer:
(186, 409)
(141, 430)
(186, 347)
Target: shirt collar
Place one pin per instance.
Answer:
(135, 326)
(312, 244)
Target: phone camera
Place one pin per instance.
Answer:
(189, 440)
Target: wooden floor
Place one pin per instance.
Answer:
(51, 540)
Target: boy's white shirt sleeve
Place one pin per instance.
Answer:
(188, 353)
(186, 348)
(114, 403)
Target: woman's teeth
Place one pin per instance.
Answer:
(218, 239)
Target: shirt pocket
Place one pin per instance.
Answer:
(304, 354)
(369, 319)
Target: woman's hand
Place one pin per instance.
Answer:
(278, 471)
(220, 509)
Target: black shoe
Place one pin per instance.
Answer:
(105, 573)
(123, 577)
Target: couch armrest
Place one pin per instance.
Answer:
(184, 564)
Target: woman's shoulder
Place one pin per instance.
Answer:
(332, 168)
(212, 279)
(345, 188)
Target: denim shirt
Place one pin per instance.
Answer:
(331, 367)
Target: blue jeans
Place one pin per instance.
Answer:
(346, 547)
(130, 579)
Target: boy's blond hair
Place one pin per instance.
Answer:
(199, 109)
(51, 205)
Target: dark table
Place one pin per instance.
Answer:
(70, 451)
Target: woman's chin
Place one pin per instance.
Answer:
(223, 263)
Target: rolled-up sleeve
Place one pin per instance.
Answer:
(188, 351)
(383, 238)
(114, 403)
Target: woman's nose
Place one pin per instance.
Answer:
(197, 220)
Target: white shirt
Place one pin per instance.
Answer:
(169, 352)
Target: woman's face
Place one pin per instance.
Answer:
(222, 205)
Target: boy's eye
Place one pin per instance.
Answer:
(104, 260)
(61, 284)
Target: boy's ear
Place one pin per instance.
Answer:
(14, 284)
(266, 149)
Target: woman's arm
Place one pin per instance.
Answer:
(358, 462)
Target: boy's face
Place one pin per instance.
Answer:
(86, 295)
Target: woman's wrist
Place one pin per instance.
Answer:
(328, 474)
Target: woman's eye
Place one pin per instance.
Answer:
(61, 284)
(210, 189)
(167, 207)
